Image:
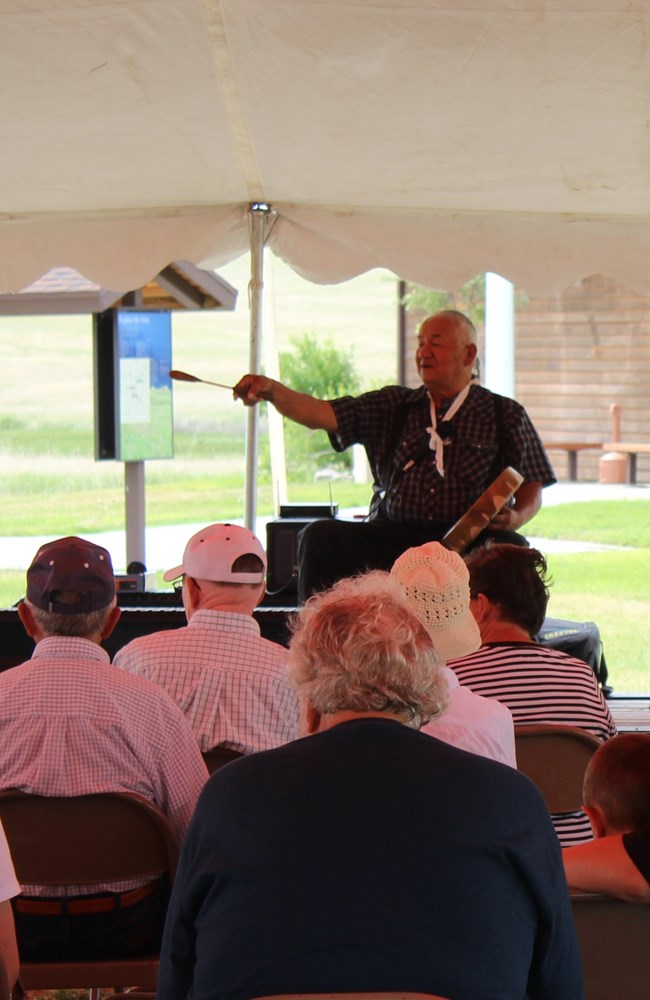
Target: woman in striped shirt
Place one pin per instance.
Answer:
(509, 596)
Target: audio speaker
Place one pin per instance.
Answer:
(579, 639)
(282, 556)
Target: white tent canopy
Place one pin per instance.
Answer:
(437, 139)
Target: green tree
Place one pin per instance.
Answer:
(325, 371)
(470, 299)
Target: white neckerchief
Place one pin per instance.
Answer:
(436, 443)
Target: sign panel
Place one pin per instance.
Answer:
(144, 398)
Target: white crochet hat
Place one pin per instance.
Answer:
(436, 583)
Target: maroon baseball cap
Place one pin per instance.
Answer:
(76, 566)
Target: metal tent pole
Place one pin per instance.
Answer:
(258, 215)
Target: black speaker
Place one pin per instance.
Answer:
(282, 556)
(579, 639)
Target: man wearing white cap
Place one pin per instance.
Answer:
(435, 582)
(228, 680)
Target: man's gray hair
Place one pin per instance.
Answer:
(359, 647)
(85, 625)
(461, 320)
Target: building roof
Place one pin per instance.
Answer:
(180, 285)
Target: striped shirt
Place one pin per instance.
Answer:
(541, 685)
(229, 682)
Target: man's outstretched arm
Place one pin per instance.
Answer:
(317, 414)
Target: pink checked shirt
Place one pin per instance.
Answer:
(72, 724)
(229, 682)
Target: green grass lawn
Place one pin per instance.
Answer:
(607, 522)
(611, 589)
(608, 587)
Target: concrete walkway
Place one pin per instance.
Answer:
(164, 546)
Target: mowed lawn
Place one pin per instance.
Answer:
(607, 587)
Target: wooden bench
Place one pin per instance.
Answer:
(572, 448)
(631, 712)
(631, 450)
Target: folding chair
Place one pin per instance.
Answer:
(83, 840)
(613, 937)
(555, 758)
(352, 996)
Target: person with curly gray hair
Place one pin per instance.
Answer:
(368, 856)
(71, 724)
(357, 651)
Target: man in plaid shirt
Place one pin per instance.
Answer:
(432, 451)
(230, 683)
(72, 724)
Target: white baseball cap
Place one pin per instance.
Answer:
(211, 553)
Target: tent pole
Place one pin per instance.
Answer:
(258, 213)
(499, 335)
(134, 500)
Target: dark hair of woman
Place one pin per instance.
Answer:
(513, 577)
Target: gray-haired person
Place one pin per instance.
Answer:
(432, 451)
(71, 724)
(367, 855)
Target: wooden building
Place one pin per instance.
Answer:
(577, 353)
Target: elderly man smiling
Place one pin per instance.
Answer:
(432, 451)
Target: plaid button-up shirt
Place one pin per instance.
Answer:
(474, 453)
(230, 683)
(72, 724)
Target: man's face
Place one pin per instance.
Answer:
(444, 355)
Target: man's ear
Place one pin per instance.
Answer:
(597, 820)
(480, 608)
(191, 596)
(111, 622)
(310, 719)
(29, 624)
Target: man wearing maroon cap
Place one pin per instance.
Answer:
(229, 681)
(71, 724)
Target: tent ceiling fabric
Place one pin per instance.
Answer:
(437, 139)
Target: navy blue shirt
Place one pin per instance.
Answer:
(370, 857)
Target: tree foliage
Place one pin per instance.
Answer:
(470, 299)
(322, 370)
(325, 371)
